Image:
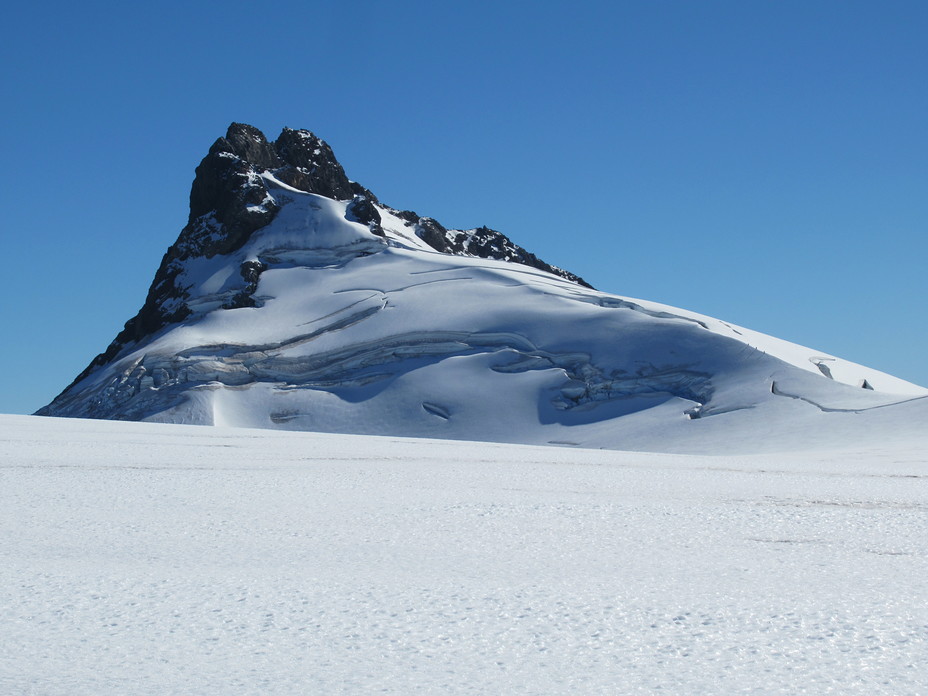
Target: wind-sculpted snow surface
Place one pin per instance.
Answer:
(343, 316)
(150, 559)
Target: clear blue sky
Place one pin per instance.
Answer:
(765, 163)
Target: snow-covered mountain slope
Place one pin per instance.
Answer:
(289, 303)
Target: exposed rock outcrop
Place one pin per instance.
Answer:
(311, 165)
(362, 209)
(483, 243)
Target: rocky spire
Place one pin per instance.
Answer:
(229, 190)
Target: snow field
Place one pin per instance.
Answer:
(156, 559)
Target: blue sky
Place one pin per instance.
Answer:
(765, 163)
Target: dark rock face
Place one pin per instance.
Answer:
(249, 144)
(491, 244)
(409, 217)
(362, 210)
(228, 197)
(251, 271)
(358, 190)
(311, 165)
(229, 190)
(486, 244)
(433, 233)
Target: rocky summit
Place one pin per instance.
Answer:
(293, 298)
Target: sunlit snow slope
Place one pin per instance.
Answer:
(321, 322)
(142, 558)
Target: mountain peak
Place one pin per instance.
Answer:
(233, 196)
(293, 298)
(249, 144)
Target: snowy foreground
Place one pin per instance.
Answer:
(158, 559)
